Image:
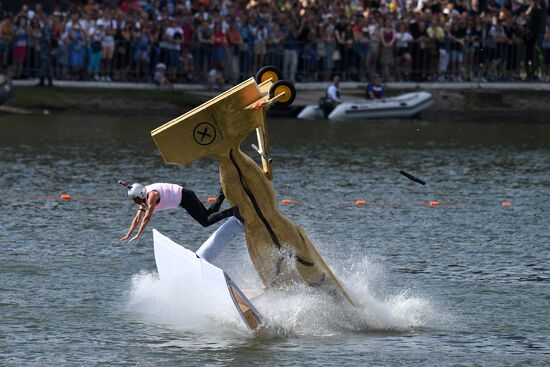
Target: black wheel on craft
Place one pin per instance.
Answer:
(285, 86)
(268, 72)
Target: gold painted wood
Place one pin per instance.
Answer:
(216, 128)
(212, 127)
(248, 313)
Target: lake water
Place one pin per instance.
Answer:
(465, 282)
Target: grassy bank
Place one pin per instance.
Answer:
(109, 101)
(447, 103)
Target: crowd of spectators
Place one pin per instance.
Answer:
(213, 41)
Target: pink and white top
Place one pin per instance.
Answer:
(170, 195)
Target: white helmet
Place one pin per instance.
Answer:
(136, 190)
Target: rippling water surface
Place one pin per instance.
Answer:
(462, 282)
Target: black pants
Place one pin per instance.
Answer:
(206, 217)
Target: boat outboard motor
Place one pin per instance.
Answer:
(327, 103)
(324, 105)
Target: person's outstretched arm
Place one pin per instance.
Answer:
(135, 221)
(151, 202)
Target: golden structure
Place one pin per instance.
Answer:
(216, 128)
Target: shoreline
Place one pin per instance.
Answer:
(148, 99)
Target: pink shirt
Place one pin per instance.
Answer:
(170, 195)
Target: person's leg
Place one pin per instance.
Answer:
(191, 203)
(294, 65)
(219, 239)
(217, 204)
(286, 63)
(95, 57)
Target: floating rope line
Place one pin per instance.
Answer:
(286, 201)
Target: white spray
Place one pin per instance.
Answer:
(294, 310)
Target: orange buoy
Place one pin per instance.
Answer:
(506, 203)
(433, 203)
(286, 201)
(65, 196)
(211, 199)
(360, 202)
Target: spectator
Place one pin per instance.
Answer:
(290, 58)
(234, 42)
(6, 37)
(498, 44)
(39, 13)
(163, 41)
(123, 50)
(186, 64)
(245, 55)
(328, 34)
(512, 48)
(420, 54)
(159, 77)
(444, 51)
(174, 36)
(458, 32)
(546, 52)
(20, 41)
(340, 46)
(47, 44)
(374, 35)
(308, 39)
(436, 35)
(275, 47)
(96, 37)
(90, 6)
(109, 24)
(215, 78)
(470, 47)
(387, 41)
(347, 48)
(142, 48)
(362, 47)
(260, 46)
(219, 45)
(61, 53)
(403, 39)
(78, 40)
(205, 37)
(312, 60)
(35, 32)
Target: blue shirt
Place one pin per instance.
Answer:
(376, 89)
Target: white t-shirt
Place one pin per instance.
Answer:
(403, 39)
(170, 32)
(332, 93)
(96, 34)
(69, 25)
(107, 23)
(170, 195)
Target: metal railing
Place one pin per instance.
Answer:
(418, 61)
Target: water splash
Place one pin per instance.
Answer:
(293, 310)
(181, 306)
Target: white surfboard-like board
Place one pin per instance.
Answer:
(176, 263)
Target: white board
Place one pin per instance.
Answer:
(177, 264)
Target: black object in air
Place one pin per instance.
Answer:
(124, 183)
(411, 177)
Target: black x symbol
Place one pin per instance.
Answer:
(204, 133)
